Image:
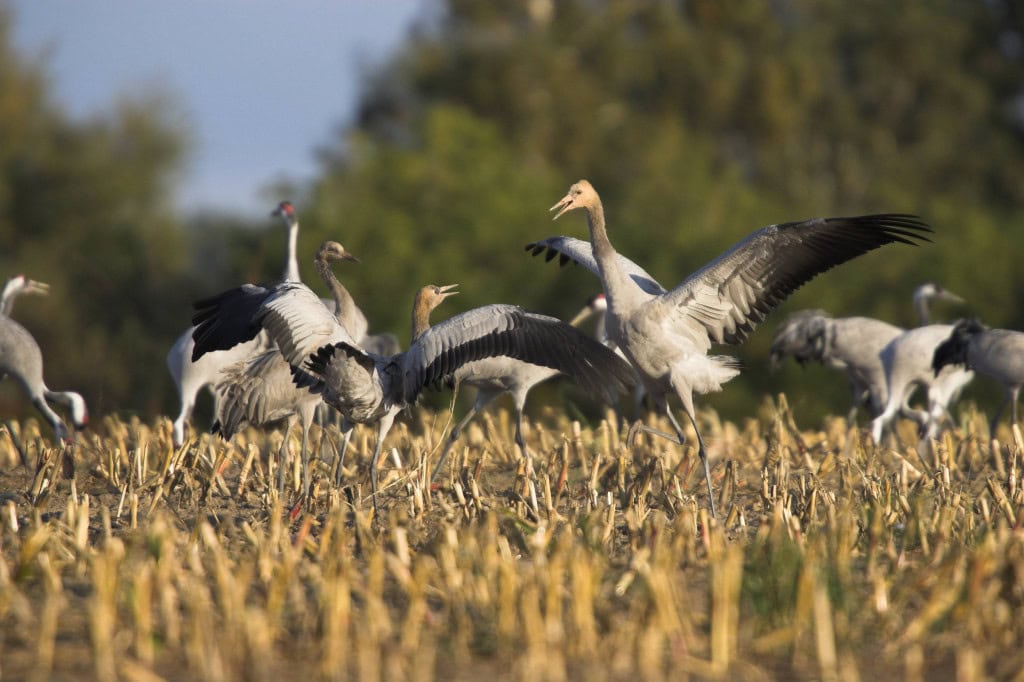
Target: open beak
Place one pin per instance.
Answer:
(448, 290)
(34, 287)
(564, 204)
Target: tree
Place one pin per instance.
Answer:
(85, 206)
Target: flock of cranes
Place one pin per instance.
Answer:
(281, 352)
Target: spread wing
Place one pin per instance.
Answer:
(509, 331)
(733, 293)
(580, 252)
(293, 316)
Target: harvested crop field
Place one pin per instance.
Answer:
(830, 559)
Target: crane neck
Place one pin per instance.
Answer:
(617, 284)
(923, 313)
(421, 309)
(344, 305)
(7, 298)
(291, 264)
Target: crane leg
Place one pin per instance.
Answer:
(519, 433)
(305, 461)
(383, 426)
(1014, 394)
(454, 436)
(700, 449)
(346, 431)
(639, 426)
(283, 462)
(679, 438)
(994, 424)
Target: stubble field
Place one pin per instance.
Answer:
(124, 558)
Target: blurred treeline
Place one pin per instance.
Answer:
(697, 121)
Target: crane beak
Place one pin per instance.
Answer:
(349, 256)
(565, 204)
(34, 287)
(583, 314)
(448, 290)
(949, 296)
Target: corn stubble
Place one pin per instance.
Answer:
(832, 559)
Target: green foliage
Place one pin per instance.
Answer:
(698, 122)
(85, 206)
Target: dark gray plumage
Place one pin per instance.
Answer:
(259, 389)
(995, 353)
(371, 389)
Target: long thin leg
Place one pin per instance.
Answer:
(283, 463)
(519, 433)
(1014, 394)
(454, 436)
(679, 439)
(700, 451)
(347, 428)
(994, 424)
(638, 426)
(305, 460)
(383, 426)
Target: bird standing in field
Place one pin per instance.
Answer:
(259, 390)
(666, 334)
(192, 375)
(494, 376)
(995, 353)
(22, 360)
(372, 389)
(853, 345)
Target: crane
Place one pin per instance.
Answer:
(666, 334)
(17, 286)
(995, 353)
(21, 359)
(191, 376)
(907, 363)
(494, 376)
(259, 390)
(372, 389)
(852, 345)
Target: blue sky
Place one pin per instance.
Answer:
(260, 84)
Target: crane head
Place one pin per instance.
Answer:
(332, 250)
(934, 291)
(432, 294)
(595, 304)
(581, 195)
(20, 284)
(286, 211)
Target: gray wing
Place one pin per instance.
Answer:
(223, 321)
(733, 293)
(256, 391)
(299, 323)
(510, 331)
(580, 252)
(347, 378)
(293, 316)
